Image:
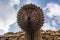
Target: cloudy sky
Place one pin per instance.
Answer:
(9, 10)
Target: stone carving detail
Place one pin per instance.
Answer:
(30, 17)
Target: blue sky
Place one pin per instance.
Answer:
(9, 10)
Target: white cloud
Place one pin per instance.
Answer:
(54, 9)
(7, 15)
(28, 1)
(13, 2)
(47, 26)
(53, 23)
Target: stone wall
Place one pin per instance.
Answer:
(45, 35)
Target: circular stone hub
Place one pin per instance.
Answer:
(30, 17)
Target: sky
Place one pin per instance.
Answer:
(9, 10)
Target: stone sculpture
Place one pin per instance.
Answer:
(30, 18)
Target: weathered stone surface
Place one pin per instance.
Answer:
(45, 35)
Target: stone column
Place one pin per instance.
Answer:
(32, 35)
